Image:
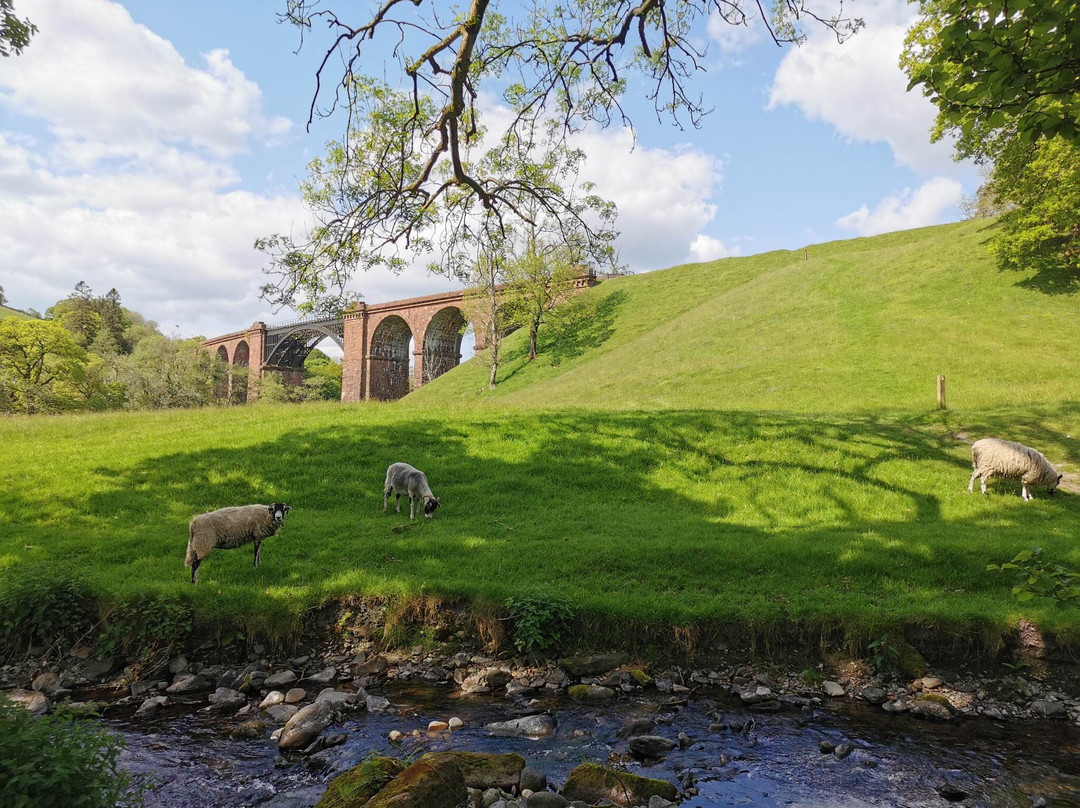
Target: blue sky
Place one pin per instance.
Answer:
(145, 145)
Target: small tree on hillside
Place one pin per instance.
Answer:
(3, 299)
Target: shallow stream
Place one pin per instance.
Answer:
(773, 760)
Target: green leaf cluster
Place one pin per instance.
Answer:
(541, 621)
(1039, 578)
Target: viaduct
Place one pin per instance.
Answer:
(374, 340)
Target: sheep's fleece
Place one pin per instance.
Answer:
(228, 528)
(993, 457)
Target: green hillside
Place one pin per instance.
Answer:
(5, 312)
(747, 444)
(862, 326)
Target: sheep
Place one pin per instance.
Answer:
(993, 457)
(228, 528)
(401, 478)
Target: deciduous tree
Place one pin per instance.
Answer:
(38, 361)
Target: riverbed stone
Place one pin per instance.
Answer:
(546, 799)
(1048, 709)
(272, 698)
(325, 676)
(843, 750)
(437, 726)
(226, 699)
(302, 728)
(434, 781)
(248, 731)
(295, 695)
(932, 706)
(490, 797)
(188, 683)
(930, 682)
(46, 683)
(337, 699)
(651, 746)
(833, 689)
(656, 801)
(530, 726)
(591, 693)
(639, 726)
(592, 665)
(376, 704)
(874, 695)
(532, 779)
(282, 712)
(30, 700)
(98, 669)
(178, 665)
(359, 784)
(280, 679)
(376, 666)
(592, 783)
(455, 723)
(152, 704)
(485, 770)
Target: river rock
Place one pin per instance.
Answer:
(650, 746)
(282, 712)
(272, 698)
(437, 726)
(1048, 709)
(248, 731)
(152, 704)
(46, 683)
(279, 679)
(376, 704)
(456, 723)
(592, 665)
(303, 727)
(532, 779)
(178, 665)
(874, 695)
(546, 799)
(30, 700)
(843, 750)
(335, 698)
(224, 699)
(592, 783)
(373, 667)
(656, 801)
(360, 783)
(434, 781)
(531, 726)
(294, 695)
(188, 683)
(485, 770)
(325, 676)
(826, 747)
(591, 693)
(639, 726)
(934, 707)
(833, 689)
(930, 682)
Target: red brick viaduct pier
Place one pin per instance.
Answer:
(374, 340)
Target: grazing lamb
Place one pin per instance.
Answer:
(992, 457)
(232, 527)
(401, 478)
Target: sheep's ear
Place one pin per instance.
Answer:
(288, 508)
(1060, 476)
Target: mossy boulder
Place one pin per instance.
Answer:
(360, 783)
(434, 781)
(592, 783)
(909, 660)
(591, 693)
(484, 771)
(592, 665)
(642, 678)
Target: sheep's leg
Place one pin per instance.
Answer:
(1024, 492)
(983, 481)
(971, 482)
(410, 506)
(258, 547)
(385, 499)
(195, 570)
(397, 502)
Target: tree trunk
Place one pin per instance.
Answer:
(534, 329)
(494, 333)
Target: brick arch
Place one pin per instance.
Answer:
(388, 359)
(441, 349)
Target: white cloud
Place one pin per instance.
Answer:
(706, 248)
(906, 209)
(736, 33)
(859, 88)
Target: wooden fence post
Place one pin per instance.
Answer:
(941, 393)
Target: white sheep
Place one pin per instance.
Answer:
(993, 457)
(228, 528)
(401, 478)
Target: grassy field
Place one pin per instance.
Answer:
(5, 312)
(749, 441)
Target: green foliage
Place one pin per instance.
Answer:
(1039, 578)
(163, 373)
(998, 68)
(812, 677)
(43, 606)
(39, 361)
(147, 631)
(322, 378)
(59, 760)
(14, 33)
(541, 621)
(1039, 184)
(884, 655)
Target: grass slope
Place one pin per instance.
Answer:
(5, 312)
(862, 326)
(666, 479)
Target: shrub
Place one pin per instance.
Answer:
(1041, 578)
(146, 630)
(37, 607)
(540, 621)
(58, 760)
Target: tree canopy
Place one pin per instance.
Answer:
(14, 33)
(425, 156)
(996, 69)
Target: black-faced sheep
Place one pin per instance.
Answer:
(993, 457)
(401, 478)
(228, 528)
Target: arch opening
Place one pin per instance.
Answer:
(239, 373)
(390, 359)
(222, 375)
(442, 342)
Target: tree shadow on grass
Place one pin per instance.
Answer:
(650, 515)
(1051, 276)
